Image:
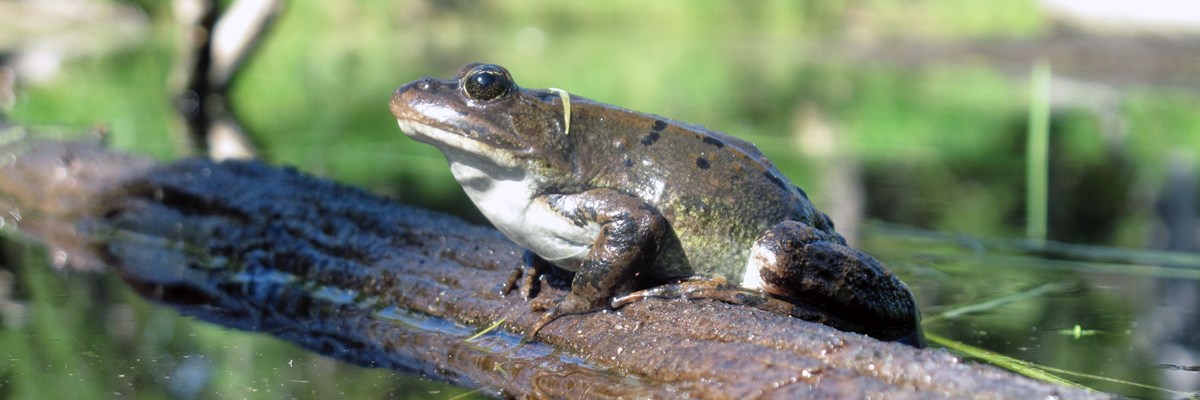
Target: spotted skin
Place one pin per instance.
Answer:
(627, 196)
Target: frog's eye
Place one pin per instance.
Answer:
(486, 82)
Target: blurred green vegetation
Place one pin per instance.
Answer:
(940, 146)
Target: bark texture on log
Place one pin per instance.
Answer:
(361, 278)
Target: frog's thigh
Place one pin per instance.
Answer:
(777, 250)
(799, 262)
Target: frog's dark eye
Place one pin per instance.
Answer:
(486, 82)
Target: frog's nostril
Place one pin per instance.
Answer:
(425, 84)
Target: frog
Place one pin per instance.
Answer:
(620, 198)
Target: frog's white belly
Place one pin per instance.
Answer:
(510, 204)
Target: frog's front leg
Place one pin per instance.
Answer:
(628, 239)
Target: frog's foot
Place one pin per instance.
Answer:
(718, 289)
(555, 308)
(686, 288)
(526, 276)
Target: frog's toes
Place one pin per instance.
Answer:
(693, 287)
(523, 281)
(511, 282)
(526, 277)
(555, 308)
(543, 303)
(547, 317)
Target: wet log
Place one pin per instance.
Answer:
(361, 278)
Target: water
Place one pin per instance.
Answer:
(1085, 316)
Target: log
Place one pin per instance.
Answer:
(360, 278)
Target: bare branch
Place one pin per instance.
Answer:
(216, 45)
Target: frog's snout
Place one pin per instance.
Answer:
(405, 96)
(397, 103)
(413, 92)
(423, 85)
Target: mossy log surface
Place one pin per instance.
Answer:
(364, 279)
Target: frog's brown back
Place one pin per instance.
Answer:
(719, 192)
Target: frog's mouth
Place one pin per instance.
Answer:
(458, 145)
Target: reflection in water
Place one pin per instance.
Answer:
(1171, 326)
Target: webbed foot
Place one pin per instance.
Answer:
(555, 308)
(688, 288)
(723, 291)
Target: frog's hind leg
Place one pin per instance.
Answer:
(816, 270)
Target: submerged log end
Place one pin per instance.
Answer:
(48, 187)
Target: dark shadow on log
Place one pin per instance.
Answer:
(361, 278)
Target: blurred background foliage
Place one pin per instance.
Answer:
(904, 114)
